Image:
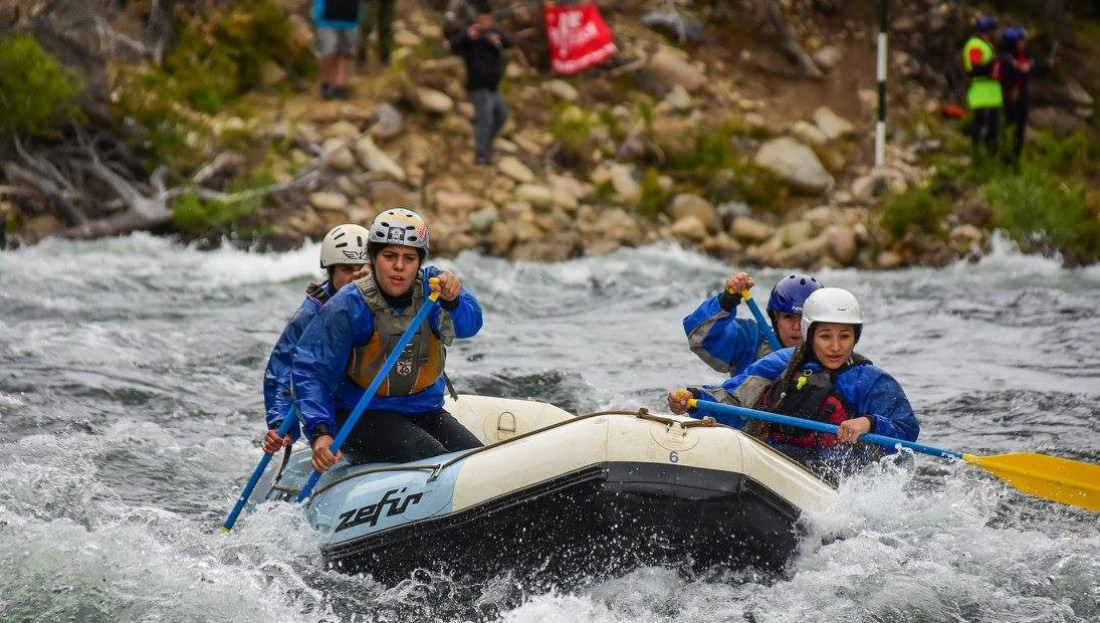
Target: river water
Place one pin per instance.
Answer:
(130, 415)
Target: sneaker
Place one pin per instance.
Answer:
(340, 93)
(326, 91)
(482, 161)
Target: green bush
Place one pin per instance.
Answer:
(653, 196)
(218, 57)
(917, 208)
(193, 215)
(36, 92)
(1044, 212)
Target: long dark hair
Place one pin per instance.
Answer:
(786, 381)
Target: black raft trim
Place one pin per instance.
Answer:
(603, 514)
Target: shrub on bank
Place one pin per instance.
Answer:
(917, 209)
(1047, 213)
(217, 58)
(36, 92)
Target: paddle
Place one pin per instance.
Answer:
(368, 395)
(1060, 480)
(765, 326)
(288, 420)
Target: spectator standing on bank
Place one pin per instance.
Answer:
(378, 16)
(337, 39)
(1016, 67)
(482, 46)
(983, 96)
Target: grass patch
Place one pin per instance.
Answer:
(1044, 212)
(36, 92)
(218, 57)
(917, 209)
(194, 215)
(654, 197)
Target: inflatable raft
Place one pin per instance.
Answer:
(558, 495)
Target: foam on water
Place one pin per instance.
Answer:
(130, 410)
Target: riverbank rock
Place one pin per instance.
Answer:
(796, 164)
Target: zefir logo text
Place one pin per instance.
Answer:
(369, 514)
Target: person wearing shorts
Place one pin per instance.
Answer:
(336, 41)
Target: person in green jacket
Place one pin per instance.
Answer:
(983, 96)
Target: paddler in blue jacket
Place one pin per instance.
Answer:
(351, 336)
(730, 344)
(344, 257)
(821, 380)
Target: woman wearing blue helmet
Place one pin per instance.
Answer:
(728, 343)
(1016, 67)
(823, 380)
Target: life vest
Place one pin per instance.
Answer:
(984, 91)
(811, 398)
(421, 362)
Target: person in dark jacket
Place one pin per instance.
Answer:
(730, 344)
(482, 48)
(1016, 67)
(823, 380)
(344, 347)
(344, 257)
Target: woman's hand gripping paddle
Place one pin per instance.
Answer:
(765, 326)
(288, 420)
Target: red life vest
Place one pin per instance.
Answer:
(811, 398)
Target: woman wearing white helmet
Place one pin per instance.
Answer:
(344, 257)
(340, 353)
(821, 380)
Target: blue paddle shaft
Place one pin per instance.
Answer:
(284, 428)
(368, 395)
(708, 406)
(765, 326)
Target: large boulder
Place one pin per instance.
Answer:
(831, 124)
(670, 70)
(687, 204)
(796, 164)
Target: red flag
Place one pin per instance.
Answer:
(579, 38)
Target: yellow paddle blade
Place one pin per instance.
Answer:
(1060, 480)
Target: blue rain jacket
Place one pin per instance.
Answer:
(319, 372)
(277, 374)
(864, 390)
(722, 340)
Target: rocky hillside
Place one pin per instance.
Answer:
(734, 127)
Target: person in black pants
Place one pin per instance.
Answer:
(482, 47)
(1016, 67)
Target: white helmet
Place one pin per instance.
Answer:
(833, 305)
(345, 244)
(400, 226)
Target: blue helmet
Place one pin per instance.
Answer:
(790, 293)
(985, 23)
(1013, 35)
